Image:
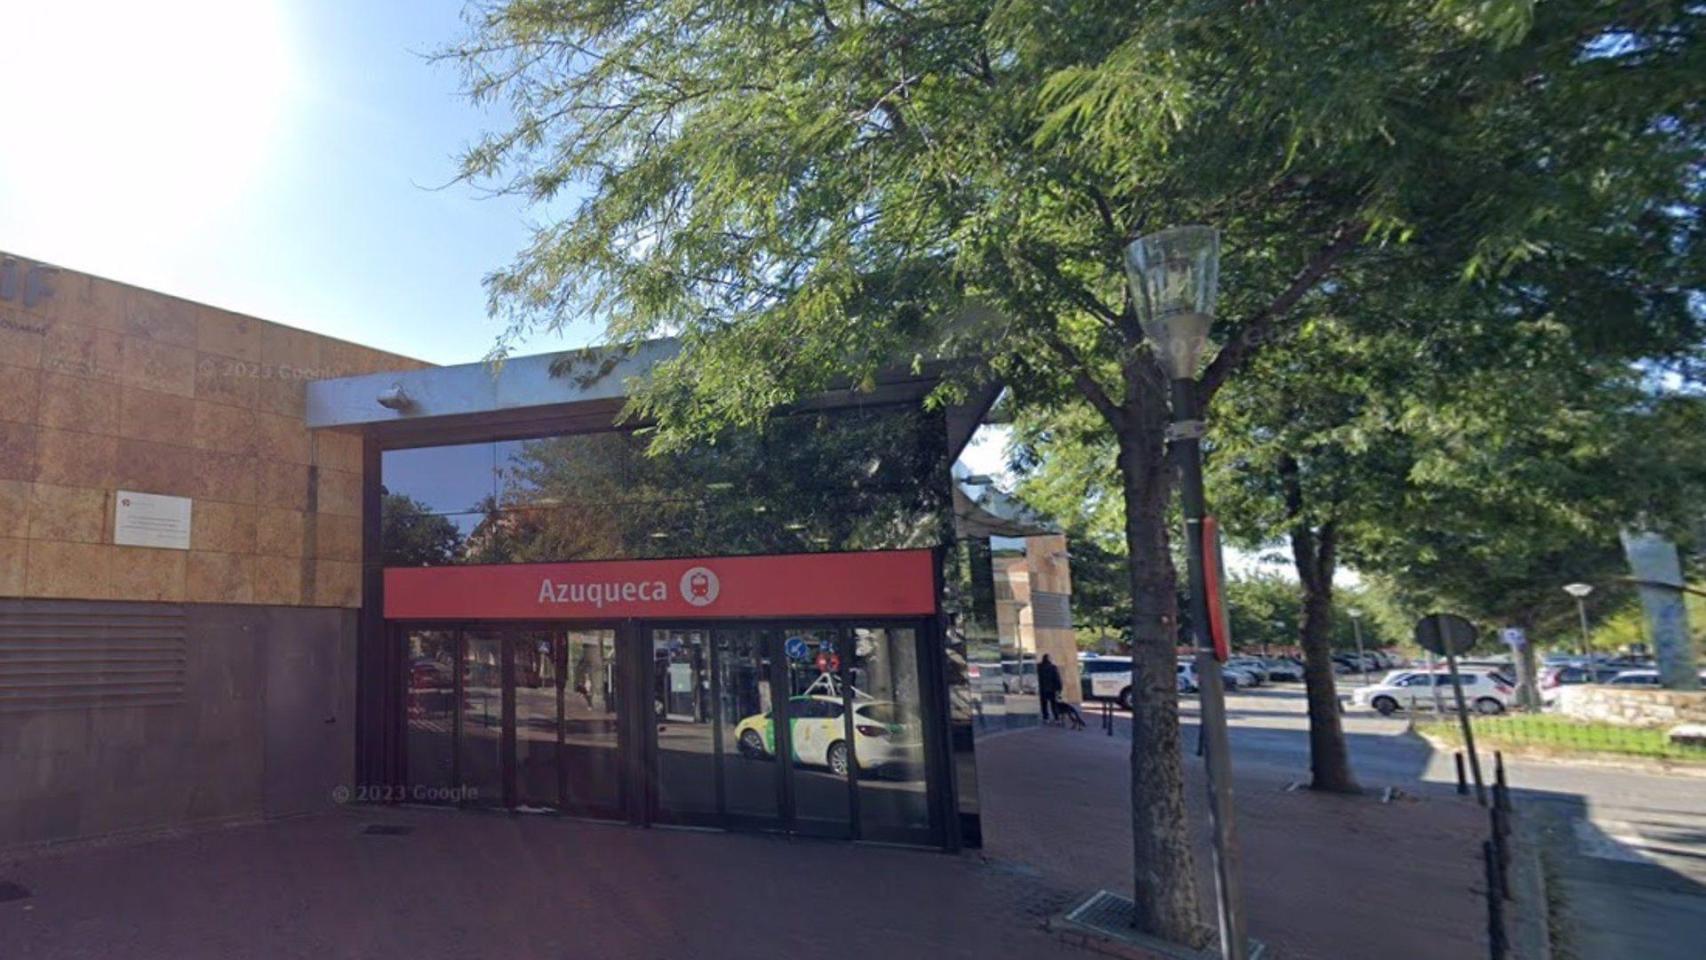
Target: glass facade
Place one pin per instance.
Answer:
(850, 479)
(830, 727)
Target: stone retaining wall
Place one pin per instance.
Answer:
(1633, 706)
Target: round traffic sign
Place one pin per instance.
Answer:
(1445, 634)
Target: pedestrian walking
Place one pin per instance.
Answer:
(1048, 688)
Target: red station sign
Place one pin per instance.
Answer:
(892, 583)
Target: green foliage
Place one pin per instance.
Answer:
(415, 537)
(806, 193)
(1545, 733)
(1626, 624)
(1265, 610)
(809, 192)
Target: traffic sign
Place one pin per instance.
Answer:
(1513, 637)
(1446, 634)
(796, 648)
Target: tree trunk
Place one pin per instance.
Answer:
(1165, 872)
(1329, 759)
(1314, 554)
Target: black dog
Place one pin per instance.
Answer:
(1067, 713)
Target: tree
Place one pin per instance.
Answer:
(413, 536)
(1521, 483)
(807, 193)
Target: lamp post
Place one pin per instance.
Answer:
(1580, 591)
(1362, 659)
(1174, 276)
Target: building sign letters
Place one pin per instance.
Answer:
(880, 583)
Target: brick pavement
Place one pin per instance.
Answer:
(1328, 878)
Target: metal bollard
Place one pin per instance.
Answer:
(1498, 946)
(1501, 789)
(1462, 777)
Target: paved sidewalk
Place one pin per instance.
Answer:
(1327, 878)
(467, 885)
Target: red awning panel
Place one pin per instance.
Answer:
(878, 584)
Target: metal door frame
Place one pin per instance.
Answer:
(508, 630)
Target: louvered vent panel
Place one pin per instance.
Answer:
(54, 660)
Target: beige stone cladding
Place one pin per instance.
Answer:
(106, 387)
(1032, 603)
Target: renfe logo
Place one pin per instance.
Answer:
(599, 594)
(885, 583)
(699, 587)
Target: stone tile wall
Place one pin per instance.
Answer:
(106, 387)
(1633, 706)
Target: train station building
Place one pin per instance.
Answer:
(250, 571)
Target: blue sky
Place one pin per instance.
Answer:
(283, 158)
(275, 157)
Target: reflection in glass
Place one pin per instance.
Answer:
(482, 717)
(686, 736)
(888, 731)
(454, 479)
(537, 658)
(818, 727)
(429, 709)
(592, 769)
(749, 736)
(848, 479)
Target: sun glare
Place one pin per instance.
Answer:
(131, 126)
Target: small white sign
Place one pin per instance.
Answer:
(1513, 637)
(152, 520)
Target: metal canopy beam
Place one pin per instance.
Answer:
(570, 391)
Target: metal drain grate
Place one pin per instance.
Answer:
(387, 830)
(1109, 915)
(10, 891)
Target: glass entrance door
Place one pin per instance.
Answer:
(759, 727)
(510, 716)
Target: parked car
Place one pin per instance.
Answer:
(986, 677)
(1565, 675)
(1019, 676)
(1106, 678)
(1485, 691)
(1643, 677)
(1280, 668)
(1187, 677)
(1236, 678)
(1254, 667)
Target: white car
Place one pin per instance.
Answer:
(1485, 691)
(883, 734)
(1642, 678)
(1106, 678)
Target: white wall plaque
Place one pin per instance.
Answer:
(152, 520)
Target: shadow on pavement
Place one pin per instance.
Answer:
(1348, 877)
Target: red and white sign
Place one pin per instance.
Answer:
(892, 583)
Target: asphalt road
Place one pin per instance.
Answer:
(1632, 841)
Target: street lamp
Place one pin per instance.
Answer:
(1580, 591)
(1356, 625)
(1174, 276)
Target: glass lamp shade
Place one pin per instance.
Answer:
(1578, 590)
(1175, 275)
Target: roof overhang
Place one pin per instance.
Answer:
(565, 392)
